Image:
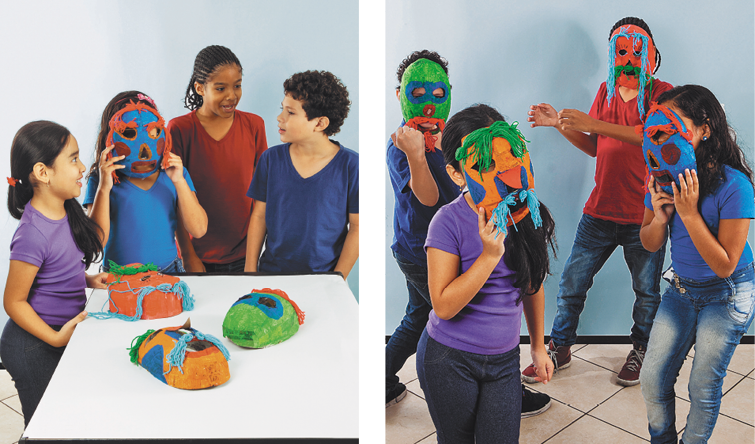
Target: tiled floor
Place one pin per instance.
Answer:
(588, 405)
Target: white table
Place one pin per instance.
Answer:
(306, 387)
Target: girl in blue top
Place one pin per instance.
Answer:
(136, 204)
(710, 300)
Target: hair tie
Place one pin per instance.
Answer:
(146, 98)
(12, 182)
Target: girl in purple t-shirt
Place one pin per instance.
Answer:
(482, 275)
(52, 247)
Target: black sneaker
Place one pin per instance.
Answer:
(534, 403)
(396, 394)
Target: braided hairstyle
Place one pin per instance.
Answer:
(116, 103)
(205, 65)
(43, 141)
(526, 247)
(640, 23)
(416, 55)
(700, 105)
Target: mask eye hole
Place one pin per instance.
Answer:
(653, 161)
(660, 138)
(128, 134)
(439, 93)
(155, 133)
(622, 52)
(490, 168)
(418, 92)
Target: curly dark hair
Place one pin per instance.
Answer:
(640, 23)
(416, 55)
(321, 94)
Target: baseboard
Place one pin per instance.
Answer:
(605, 339)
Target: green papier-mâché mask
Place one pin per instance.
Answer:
(262, 318)
(425, 97)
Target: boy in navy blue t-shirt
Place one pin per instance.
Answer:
(306, 190)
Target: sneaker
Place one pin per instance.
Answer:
(534, 403)
(394, 395)
(630, 372)
(561, 357)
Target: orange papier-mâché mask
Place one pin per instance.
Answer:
(182, 357)
(499, 174)
(137, 291)
(631, 62)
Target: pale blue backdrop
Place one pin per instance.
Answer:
(63, 61)
(514, 54)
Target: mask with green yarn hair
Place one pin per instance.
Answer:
(425, 97)
(262, 318)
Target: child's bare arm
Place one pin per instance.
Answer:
(20, 279)
(534, 311)
(192, 214)
(576, 120)
(350, 251)
(421, 181)
(191, 261)
(99, 211)
(654, 230)
(449, 291)
(544, 114)
(255, 235)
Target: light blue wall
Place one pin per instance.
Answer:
(63, 61)
(514, 54)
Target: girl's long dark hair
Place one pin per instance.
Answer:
(526, 246)
(42, 141)
(700, 105)
(115, 105)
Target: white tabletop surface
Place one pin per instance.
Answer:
(306, 387)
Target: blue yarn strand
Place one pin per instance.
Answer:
(534, 205)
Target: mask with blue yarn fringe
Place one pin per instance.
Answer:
(499, 174)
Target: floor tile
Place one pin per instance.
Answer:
(14, 403)
(537, 429)
(11, 425)
(739, 402)
(408, 421)
(432, 439)
(525, 359)
(414, 388)
(730, 431)
(627, 411)
(7, 388)
(408, 372)
(743, 360)
(589, 429)
(583, 385)
(609, 356)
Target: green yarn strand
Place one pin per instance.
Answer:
(117, 270)
(133, 352)
(482, 140)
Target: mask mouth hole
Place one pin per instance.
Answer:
(663, 178)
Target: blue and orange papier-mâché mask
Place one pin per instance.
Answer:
(631, 62)
(427, 108)
(138, 132)
(499, 174)
(667, 157)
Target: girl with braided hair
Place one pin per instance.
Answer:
(613, 213)
(487, 258)
(220, 146)
(52, 247)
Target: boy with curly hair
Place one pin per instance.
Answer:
(306, 190)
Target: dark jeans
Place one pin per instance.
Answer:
(403, 342)
(232, 267)
(30, 363)
(595, 241)
(471, 398)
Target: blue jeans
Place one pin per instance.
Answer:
(471, 397)
(595, 241)
(713, 315)
(177, 266)
(403, 342)
(30, 362)
(231, 267)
